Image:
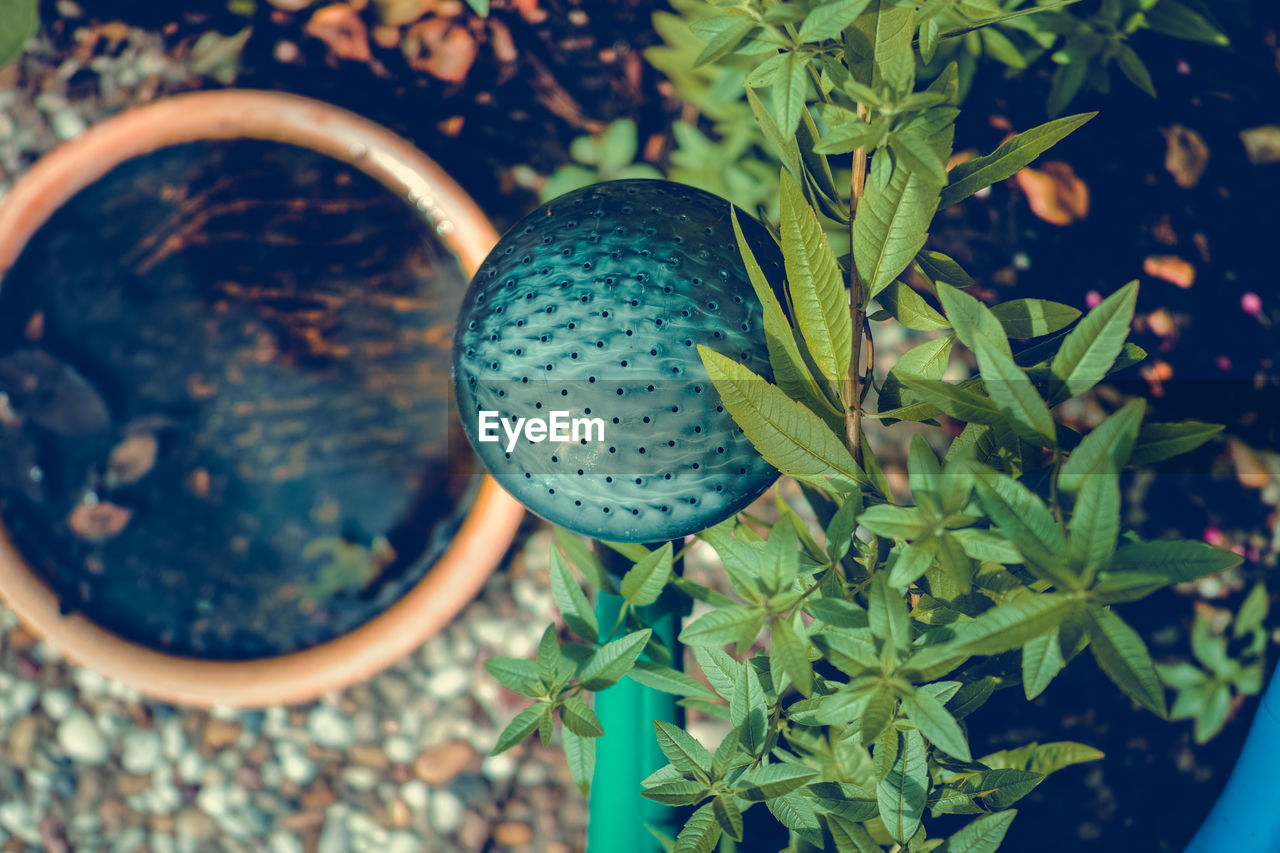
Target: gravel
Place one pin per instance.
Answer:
(397, 764)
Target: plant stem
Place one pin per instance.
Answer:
(858, 310)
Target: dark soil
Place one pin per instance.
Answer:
(227, 369)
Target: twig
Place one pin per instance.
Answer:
(853, 381)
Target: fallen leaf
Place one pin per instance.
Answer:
(98, 522)
(291, 5)
(1171, 268)
(1162, 323)
(1054, 192)
(218, 56)
(1262, 144)
(396, 13)
(531, 11)
(1251, 468)
(439, 48)
(339, 26)
(132, 459)
(1186, 155)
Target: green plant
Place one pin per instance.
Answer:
(862, 643)
(1205, 692)
(22, 19)
(611, 156)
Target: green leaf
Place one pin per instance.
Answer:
(999, 47)
(877, 713)
(516, 674)
(21, 20)
(1088, 352)
(892, 222)
(1041, 662)
(1032, 318)
(748, 711)
(981, 545)
(1157, 442)
(887, 612)
(613, 660)
(936, 724)
(894, 60)
(1013, 392)
(1106, 448)
(957, 401)
(1024, 520)
(1095, 524)
(790, 87)
(580, 555)
(700, 832)
(548, 658)
(1005, 161)
(789, 436)
(578, 718)
(848, 137)
(784, 147)
(910, 309)
(571, 601)
(1177, 561)
(728, 815)
(789, 369)
(902, 794)
(1067, 80)
(791, 651)
(735, 624)
(1252, 613)
(1123, 656)
(971, 319)
(1013, 624)
(772, 780)
(815, 283)
(644, 581)
(722, 671)
(1181, 21)
(795, 813)
(829, 20)
(895, 522)
(925, 361)
(521, 727)
(1000, 788)
(480, 7)
(668, 680)
(1134, 69)
(683, 750)
(678, 792)
(580, 755)
(983, 835)
(913, 561)
(851, 837)
(1049, 758)
(938, 267)
(918, 155)
(722, 35)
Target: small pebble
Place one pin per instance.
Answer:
(329, 728)
(81, 740)
(446, 810)
(142, 749)
(56, 703)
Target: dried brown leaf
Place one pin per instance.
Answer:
(1054, 192)
(98, 522)
(1186, 155)
(339, 26)
(1262, 144)
(1171, 268)
(440, 48)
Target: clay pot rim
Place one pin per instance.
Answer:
(494, 516)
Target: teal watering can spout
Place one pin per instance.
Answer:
(1246, 817)
(628, 751)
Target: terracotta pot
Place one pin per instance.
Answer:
(492, 521)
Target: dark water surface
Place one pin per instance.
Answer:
(224, 413)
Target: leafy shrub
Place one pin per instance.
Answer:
(858, 654)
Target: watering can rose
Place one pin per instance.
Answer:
(583, 326)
